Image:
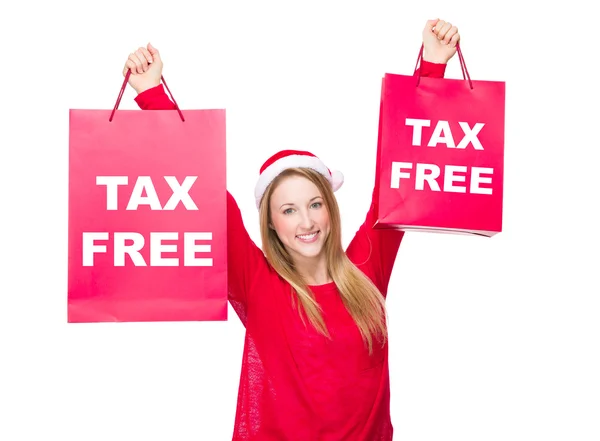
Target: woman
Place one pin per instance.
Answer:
(315, 362)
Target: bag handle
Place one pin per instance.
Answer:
(123, 90)
(461, 59)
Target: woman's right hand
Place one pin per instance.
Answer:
(146, 68)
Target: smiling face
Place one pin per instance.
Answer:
(300, 218)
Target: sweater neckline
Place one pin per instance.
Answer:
(326, 287)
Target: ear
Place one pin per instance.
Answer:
(271, 226)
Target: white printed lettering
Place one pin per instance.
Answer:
(89, 247)
(132, 243)
(180, 193)
(470, 136)
(112, 183)
(191, 248)
(477, 180)
(143, 183)
(418, 125)
(442, 134)
(453, 174)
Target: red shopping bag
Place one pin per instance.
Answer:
(440, 156)
(147, 215)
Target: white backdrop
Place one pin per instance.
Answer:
(490, 339)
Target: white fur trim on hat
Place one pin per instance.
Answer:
(292, 161)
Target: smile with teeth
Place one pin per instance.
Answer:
(308, 238)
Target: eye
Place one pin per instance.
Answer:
(288, 211)
(316, 205)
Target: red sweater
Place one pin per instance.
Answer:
(297, 385)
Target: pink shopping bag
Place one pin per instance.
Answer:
(440, 158)
(147, 215)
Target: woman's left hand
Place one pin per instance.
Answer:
(439, 41)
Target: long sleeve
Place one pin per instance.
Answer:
(374, 250)
(154, 99)
(244, 259)
(433, 70)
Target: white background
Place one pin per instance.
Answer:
(490, 339)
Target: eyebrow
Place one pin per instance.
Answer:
(289, 203)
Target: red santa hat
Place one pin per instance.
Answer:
(285, 159)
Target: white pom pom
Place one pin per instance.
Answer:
(337, 179)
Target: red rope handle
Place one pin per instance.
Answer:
(123, 90)
(461, 59)
(463, 65)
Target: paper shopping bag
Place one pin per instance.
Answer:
(440, 160)
(147, 216)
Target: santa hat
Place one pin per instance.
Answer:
(285, 159)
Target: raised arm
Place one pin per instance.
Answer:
(374, 250)
(244, 259)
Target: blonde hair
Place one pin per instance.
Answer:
(361, 297)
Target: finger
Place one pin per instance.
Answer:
(154, 52)
(431, 24)
(451, 32)
(444, 30)
(438, 27)
(130, 65)
(138, 63)
(454, 40)
(143, 59)
(147, 54)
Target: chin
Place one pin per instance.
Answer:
(310, 252)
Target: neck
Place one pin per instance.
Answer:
(314, 270)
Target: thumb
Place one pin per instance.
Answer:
(154, 52)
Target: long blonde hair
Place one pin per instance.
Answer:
(361, 297)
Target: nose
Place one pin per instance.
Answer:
(306, 222)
